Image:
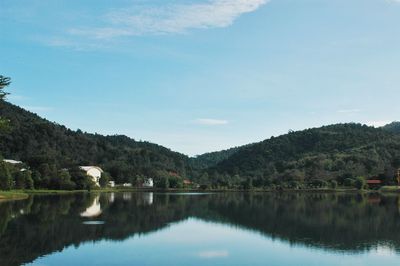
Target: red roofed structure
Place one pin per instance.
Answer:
(374, 182)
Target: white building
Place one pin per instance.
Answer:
(148, 182)
(94, 172)
(12, 161)
(111, 183)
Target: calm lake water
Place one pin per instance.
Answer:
(201, 229)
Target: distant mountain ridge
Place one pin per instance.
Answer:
(335, 152)
(210, 159)
(392, 127)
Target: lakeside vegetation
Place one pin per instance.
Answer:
(13, 195)
(342, 155)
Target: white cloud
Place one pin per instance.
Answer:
(349, 111)
(380, 123)
(67, 42)
(170, 19)
(213, 254)
(211, 122)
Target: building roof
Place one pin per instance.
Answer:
(374, 181)
(88, 168)
(12, 161)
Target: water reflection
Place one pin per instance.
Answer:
(350, 225)
(148, 198)
(111, 197)
(93, 210)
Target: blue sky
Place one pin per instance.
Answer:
(203, 75)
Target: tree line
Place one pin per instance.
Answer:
(327, 157)
(47, 149)
(337, 155)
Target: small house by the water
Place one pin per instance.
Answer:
(12, 161)
(148, 182)
(94, 172)
(374, 183)
(16, 164)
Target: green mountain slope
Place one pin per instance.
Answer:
(392, 127)
(337, 152)
(334, 152)
(210, 159)
(37, 141)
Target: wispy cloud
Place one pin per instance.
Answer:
(213, 254)
(349, 111)
(71, 43)
(211, 122)
(169, 19)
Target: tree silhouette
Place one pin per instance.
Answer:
(4, 82)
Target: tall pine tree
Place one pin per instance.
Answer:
(4, 82)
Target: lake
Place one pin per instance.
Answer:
(201, 229)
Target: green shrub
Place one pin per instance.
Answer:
(349, 182)
(5, 177)
(360, 183)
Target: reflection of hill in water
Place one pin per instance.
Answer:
(42, 225)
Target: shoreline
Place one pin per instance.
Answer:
(24, 194)
(12, 195)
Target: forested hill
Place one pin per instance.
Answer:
(37, 141)
(392, 127)
(210, 159)
(336, 152)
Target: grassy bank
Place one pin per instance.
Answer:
(12, 195)
(49, 192)
(23, 194)
(390, 189)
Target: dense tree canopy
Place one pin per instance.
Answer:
(393, 127)
(342, 154)
(47, 148)
(314, 156)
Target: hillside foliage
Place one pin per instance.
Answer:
(47, 148)
(317, 157)
(330, 156)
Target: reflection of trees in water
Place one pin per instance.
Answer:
(54, 222)
(341, 222)
(41, 225)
